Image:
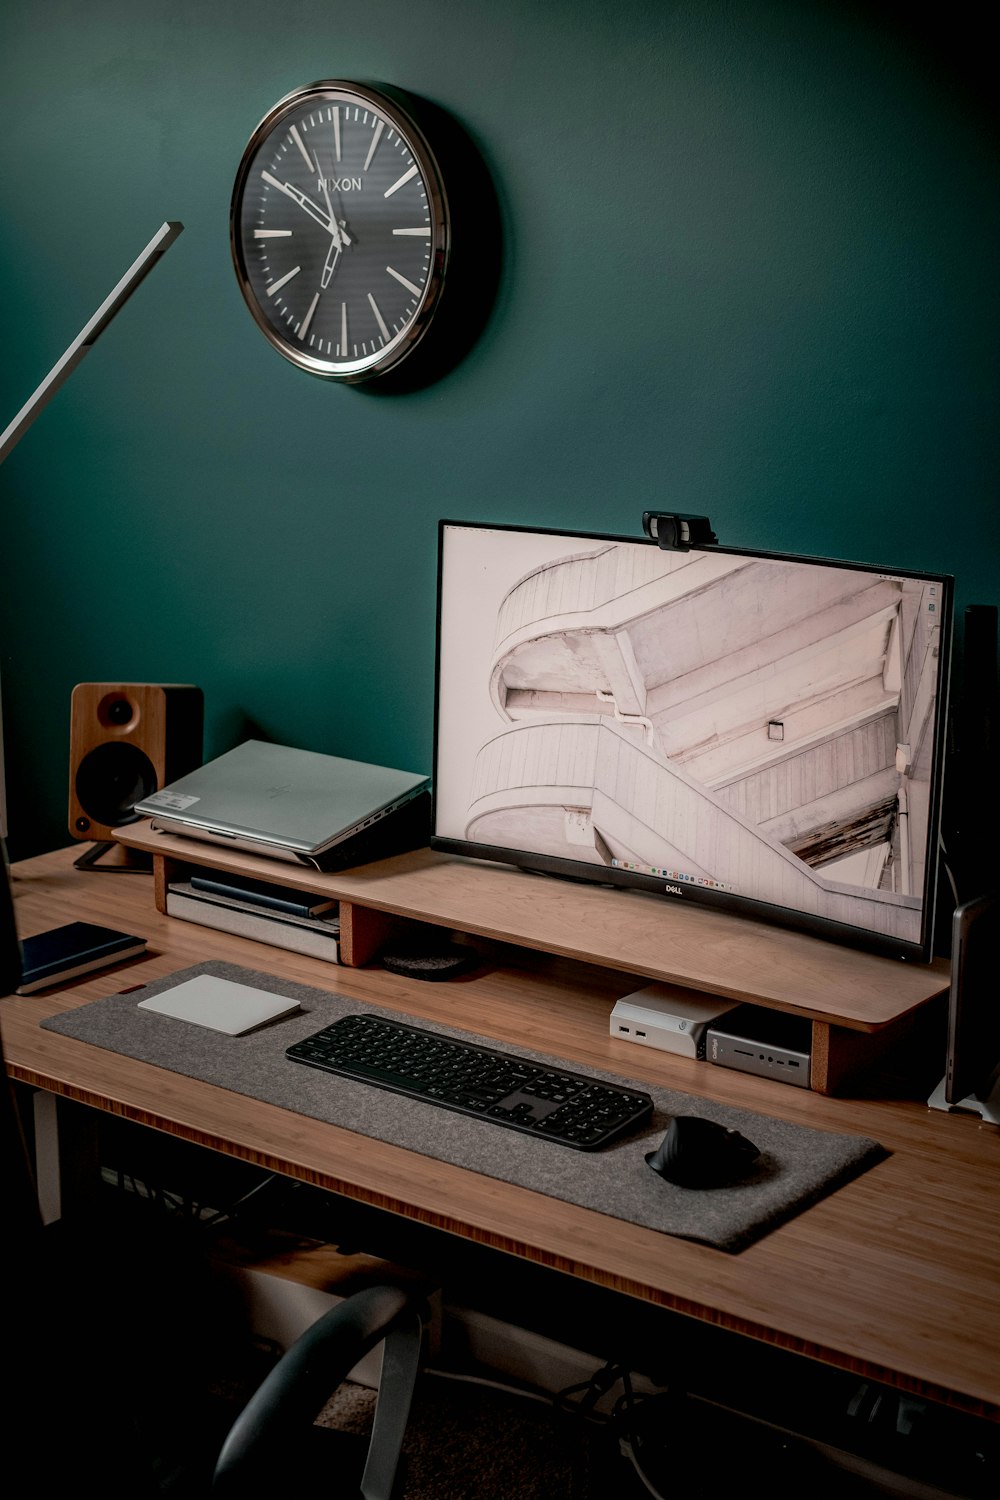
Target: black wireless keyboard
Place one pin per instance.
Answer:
(501, 1087)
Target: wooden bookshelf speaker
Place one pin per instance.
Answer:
(128, 739)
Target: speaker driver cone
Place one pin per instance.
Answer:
(111, 779)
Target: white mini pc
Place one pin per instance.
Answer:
(667, 1017)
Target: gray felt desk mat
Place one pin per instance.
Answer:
(798, 1165)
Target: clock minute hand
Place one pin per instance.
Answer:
(312, 209)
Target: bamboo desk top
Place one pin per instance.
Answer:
(895, 1277)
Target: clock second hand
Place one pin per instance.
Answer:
(337, 241)
(340, 238)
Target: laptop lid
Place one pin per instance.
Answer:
(276, 800)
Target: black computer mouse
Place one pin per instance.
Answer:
(698, 1153)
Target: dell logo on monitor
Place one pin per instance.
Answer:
(673, 890)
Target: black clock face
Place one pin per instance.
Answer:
(339, 230)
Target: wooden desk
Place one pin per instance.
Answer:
(895, 1277)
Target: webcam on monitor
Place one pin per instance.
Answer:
(678, 533)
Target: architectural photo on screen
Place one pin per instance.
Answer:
(744, 729)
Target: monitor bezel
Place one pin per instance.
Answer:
(841, 933)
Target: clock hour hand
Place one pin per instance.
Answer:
(329, 265)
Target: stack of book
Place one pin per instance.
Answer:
(276, 914)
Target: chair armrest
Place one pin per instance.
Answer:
(286, 1404)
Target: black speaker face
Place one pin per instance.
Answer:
(110, 780)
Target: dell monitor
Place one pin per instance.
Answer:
(759, 732)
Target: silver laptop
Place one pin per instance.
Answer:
(290, 804)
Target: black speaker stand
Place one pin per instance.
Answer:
(120, 861)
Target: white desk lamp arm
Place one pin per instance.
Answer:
(63, 368)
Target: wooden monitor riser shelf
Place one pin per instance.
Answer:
(859, 1005)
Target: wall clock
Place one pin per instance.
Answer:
(341, 227)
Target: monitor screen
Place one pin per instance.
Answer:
(760, 732)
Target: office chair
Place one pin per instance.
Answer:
(106, 1323)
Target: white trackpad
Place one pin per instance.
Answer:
(221, 1004)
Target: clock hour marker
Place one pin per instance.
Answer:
(277, 285)
(400, 181)
(378, 316)
(304, 325)
(294, 133)
(272, 234)
(403, 281)
(343, 330)
(424, 232)
(371, 149)
(336, 133)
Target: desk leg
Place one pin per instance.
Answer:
(67, 1158)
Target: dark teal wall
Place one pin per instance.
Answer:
(751, 270)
